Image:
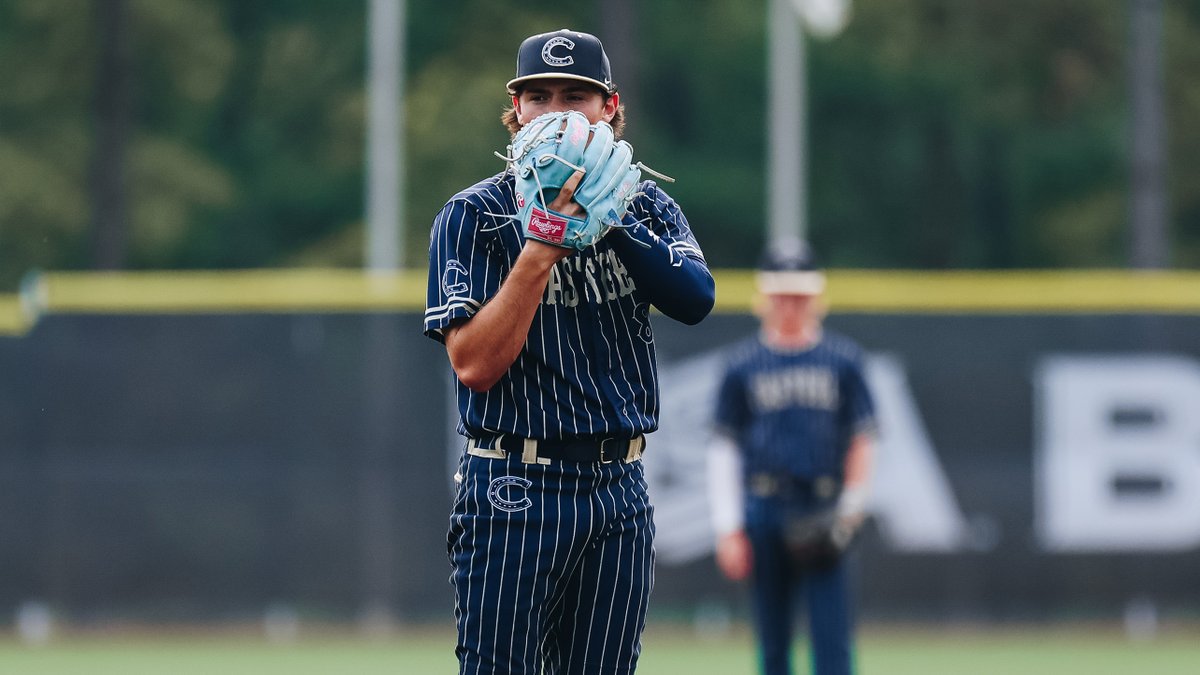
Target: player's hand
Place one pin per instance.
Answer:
(552, 159)
(734, 556)
(851, 514)
(845, 527)
(565, 202)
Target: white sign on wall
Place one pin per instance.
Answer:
(1117, 466)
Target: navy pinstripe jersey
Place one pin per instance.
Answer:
(588, 365)
(793, 412)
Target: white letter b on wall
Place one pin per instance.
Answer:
(1118, 462)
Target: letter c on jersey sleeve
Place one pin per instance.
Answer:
(454, 279)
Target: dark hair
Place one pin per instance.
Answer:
(509, 118)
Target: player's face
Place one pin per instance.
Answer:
(551, 95)
(792, 313)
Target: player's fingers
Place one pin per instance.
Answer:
(743, 569)
(564, 202)
(734, 556)
(568, 188)
(735, 563)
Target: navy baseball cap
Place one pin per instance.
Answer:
(790, 268)
(563, 54)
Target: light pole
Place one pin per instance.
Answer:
(384, 241)
(1148, 194)
(787, 137)
(383, 254)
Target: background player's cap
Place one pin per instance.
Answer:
(563, 54)
(789, 268)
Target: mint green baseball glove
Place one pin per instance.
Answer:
(544, 154)
(551, 148)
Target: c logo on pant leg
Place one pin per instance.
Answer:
(496, 496)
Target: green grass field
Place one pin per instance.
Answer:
(667, 651)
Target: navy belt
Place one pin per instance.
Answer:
(582, 449)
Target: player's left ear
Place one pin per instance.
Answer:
(610, 107)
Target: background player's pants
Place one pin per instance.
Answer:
(552, 566)
(779, 585)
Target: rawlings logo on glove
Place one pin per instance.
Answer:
(552, 148)
(547, 226)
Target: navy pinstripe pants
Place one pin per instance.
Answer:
(552, 566)
(779, 585)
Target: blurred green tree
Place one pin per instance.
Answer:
(972, 134)
(175, 64)
(943, 133)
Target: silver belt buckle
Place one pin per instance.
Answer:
(763, 485)
(603, 445)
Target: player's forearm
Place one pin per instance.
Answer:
(857, 475)
(724, 476)
(676, 285)
(857, 465)
(483, 348)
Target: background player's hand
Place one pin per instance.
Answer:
(845, 527)
(851, 513)
(734, 556)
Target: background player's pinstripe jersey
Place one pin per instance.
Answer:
(588, 366)
(793, 413)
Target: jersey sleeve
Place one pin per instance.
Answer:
(663, 257)
(668, 222)
(858, 405)
(459, 282)
(732, 407)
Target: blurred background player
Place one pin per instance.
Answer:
(793, 436)
(551, 537)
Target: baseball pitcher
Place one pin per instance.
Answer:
(541, 280)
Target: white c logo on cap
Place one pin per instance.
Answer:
(557, 61)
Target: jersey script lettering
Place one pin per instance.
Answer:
(605, 277)
(803, 386)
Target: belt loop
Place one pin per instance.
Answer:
(636, 445)
(529, 452)
(763, 485)
(473, 448)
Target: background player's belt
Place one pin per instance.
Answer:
(821, 488)
(568, 449)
